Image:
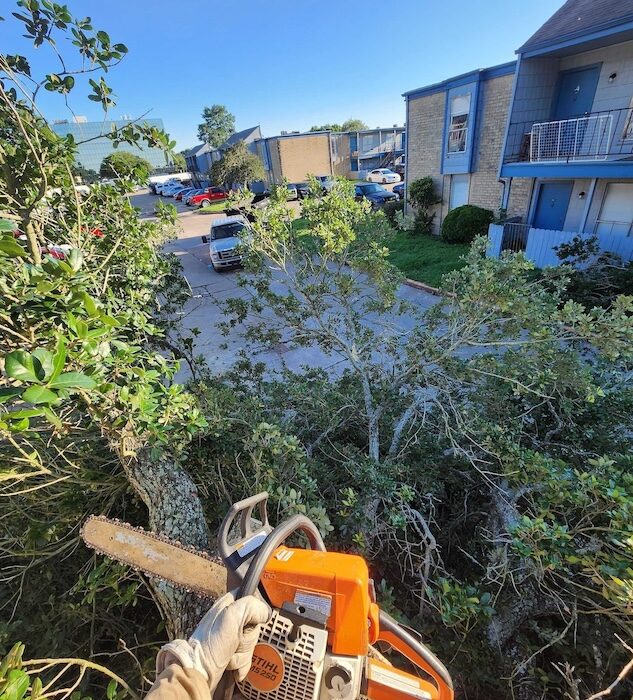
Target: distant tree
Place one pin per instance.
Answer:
(354, 125)
(327, 127)
(348, 125)
(217, 126)
(179, 161)
(238, 167)
(86, 175)
(123, 164)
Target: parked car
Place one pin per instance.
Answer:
(376, 194)
(170, 190)
(383, 175)
(399, 190)
(399, 168)
(224, 240)
(327, 182)
(180, 195)
(162, 186)
(188, 197)
(303, 189)
(292, 192)
(207, 197)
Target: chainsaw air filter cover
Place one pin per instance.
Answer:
(291, 662)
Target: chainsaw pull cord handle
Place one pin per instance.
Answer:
(408, 644)
(297, 523)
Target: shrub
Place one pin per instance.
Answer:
(423, 196)
(463, 224)
(391, 208)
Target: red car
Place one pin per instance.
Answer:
(212, 194)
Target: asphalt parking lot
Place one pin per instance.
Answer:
(210, 290)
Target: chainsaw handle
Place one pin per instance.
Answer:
(403, 641)
(297, 523)
(244, 509)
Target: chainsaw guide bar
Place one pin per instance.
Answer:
(156, 555)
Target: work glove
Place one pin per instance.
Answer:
(223, 640)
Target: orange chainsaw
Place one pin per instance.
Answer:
(319, 641)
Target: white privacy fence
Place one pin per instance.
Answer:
(540, 244)
(581, 139)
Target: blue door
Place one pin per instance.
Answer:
(551, 206)
(576, 90)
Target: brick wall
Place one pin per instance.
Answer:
(425, 135)
(301, 156)
(494, 102)
(519, 200)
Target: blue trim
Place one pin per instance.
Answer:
(541, 49)
(444, 133)
(476, 98)
(509, 115)
(460, 162)
(568, 170)
(464, 79)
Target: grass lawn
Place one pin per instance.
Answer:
(213, 209)
(425, 258)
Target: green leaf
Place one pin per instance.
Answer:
(46, 360)
(111, 689)
(17, 684)
(24, 413)
(11, 248)
(90, 305)
(39, 394)
(59, 359)
(75, 259)
(19, 364)
(52, 417)
(6, 226)
(73, 380)
(7, 393)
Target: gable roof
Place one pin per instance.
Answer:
(577, 18)
(246, 135)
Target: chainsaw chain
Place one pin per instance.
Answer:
(160, 538)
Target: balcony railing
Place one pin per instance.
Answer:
(598, 136)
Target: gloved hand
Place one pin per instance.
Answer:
(223, 640)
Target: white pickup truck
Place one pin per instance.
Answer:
(224, 239)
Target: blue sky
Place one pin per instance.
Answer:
(288, 64)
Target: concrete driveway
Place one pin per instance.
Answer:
(209, 289)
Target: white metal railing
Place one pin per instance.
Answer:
(584, 138)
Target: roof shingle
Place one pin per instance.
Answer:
(579, 17)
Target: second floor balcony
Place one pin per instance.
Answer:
(605, 136)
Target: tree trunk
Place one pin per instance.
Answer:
(175, 510)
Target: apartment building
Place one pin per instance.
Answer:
(351, 154)
(455, 135)
(569, 135)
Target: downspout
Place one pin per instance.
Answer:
(329, 143)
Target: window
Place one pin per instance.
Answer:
(616, 215)
(458, 124)
(459, 191)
